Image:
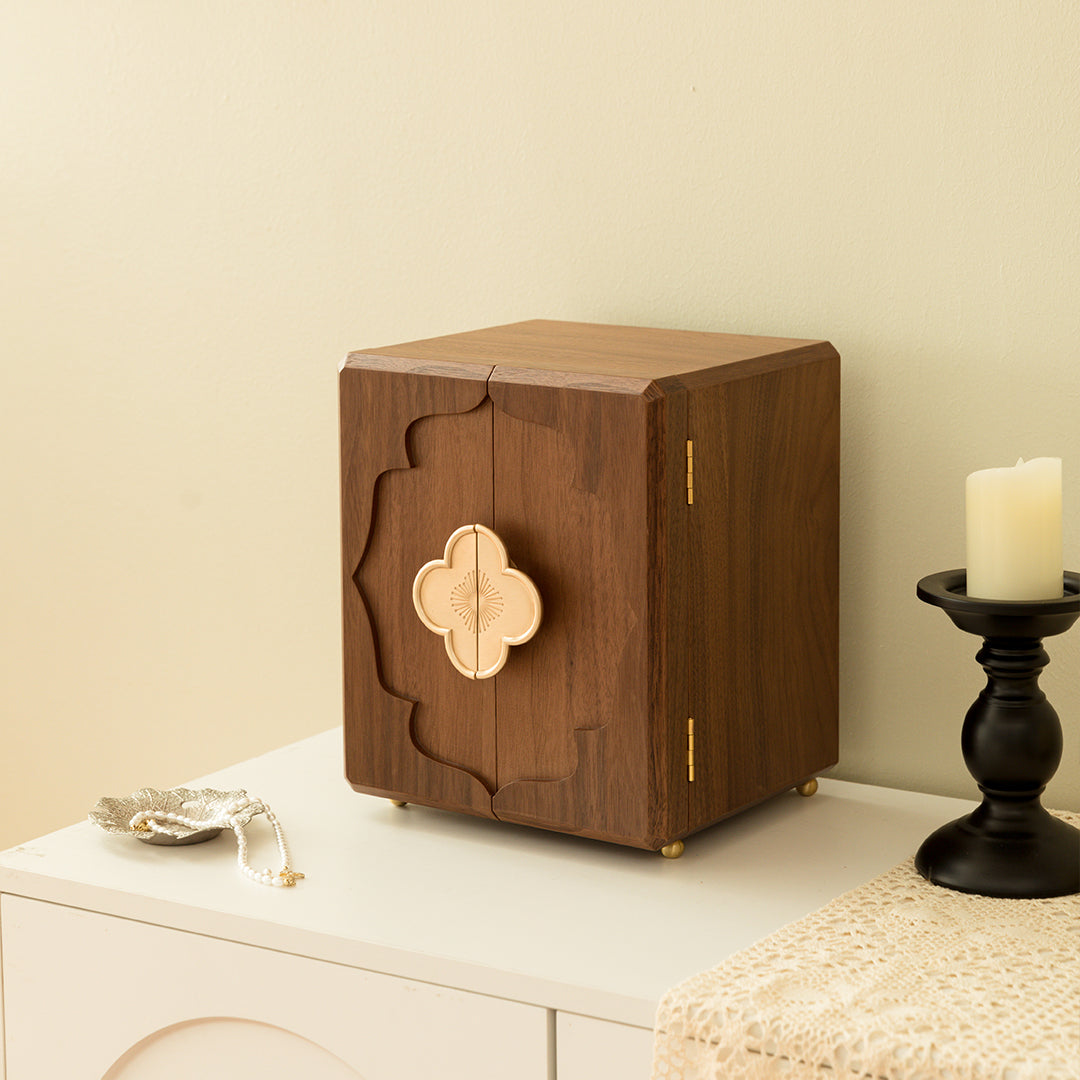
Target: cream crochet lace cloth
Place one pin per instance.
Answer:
(896, 980)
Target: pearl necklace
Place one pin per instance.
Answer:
(234, 816)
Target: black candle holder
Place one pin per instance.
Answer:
(1010, 846)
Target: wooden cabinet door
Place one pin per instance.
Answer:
(578, 731)
(575, 503)
(416, 465)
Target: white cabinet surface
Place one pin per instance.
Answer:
(421, 943)
(91, 996)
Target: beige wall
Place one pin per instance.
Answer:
(203, 205)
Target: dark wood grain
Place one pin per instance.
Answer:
(670, 580)
(763, 547)
(576, 803)
(403, 699)
(570, 441)
(620, 351)
(571, 504)
(416, 510)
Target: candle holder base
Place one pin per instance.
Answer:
(1010, 846)
(1023, 855)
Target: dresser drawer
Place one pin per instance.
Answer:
(93, 996)
(589, 1049)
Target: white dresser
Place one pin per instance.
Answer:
(421, 944)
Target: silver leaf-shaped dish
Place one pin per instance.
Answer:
(208, 809)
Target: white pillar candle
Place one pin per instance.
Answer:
(1014, 532)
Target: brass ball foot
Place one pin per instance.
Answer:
(398, 802)
(808, 788)
(673, 850)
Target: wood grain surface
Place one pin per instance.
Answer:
(414, 728)
(763, 609)
(670, 583)
(571, 504)
(569, 440)
(632, 352)
(416, 510)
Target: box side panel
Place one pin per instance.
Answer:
(415, 465)
(571, 504)
(668, 629)
(764, 548)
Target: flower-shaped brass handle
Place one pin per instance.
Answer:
(476, 601)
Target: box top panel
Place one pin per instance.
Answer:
(588, 348)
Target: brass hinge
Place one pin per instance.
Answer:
(690, 748)
(689, 472)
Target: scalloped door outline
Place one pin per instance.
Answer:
(569, 520)
(385, 408)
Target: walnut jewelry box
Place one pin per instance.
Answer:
(590, 574)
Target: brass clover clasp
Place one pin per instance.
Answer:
(476, 601)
